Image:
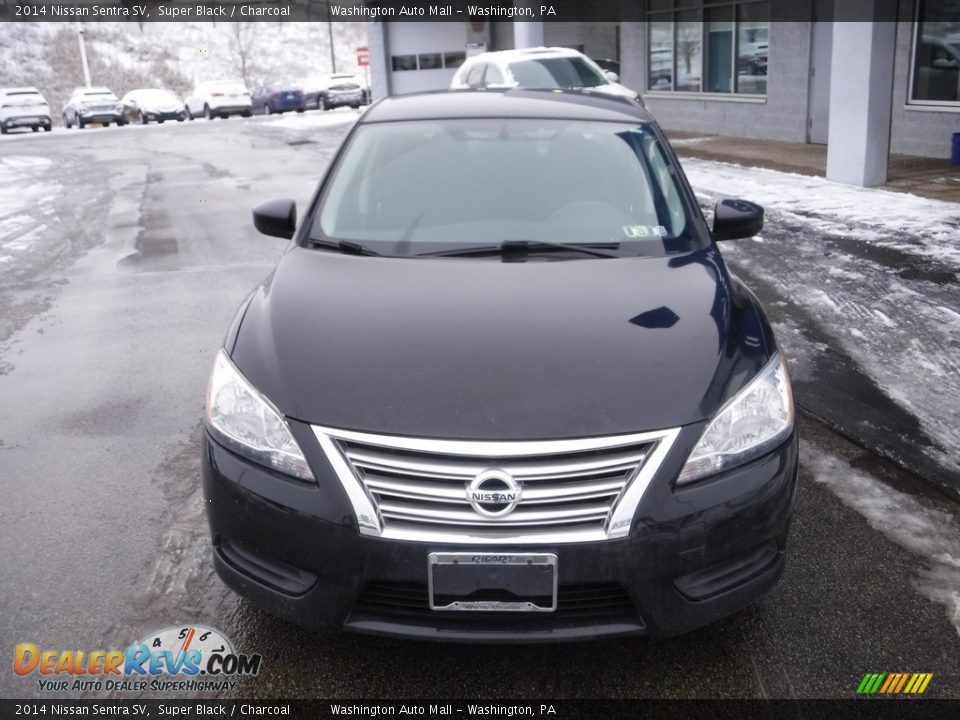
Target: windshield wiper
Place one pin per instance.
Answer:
(522, 246)
(345, 246)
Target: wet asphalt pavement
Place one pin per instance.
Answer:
(140, 249)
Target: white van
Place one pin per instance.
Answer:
(23, 108)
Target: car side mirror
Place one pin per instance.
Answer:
(612, 76)
(735, 219)
(277, 218)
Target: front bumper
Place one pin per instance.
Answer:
(693, 556)
(28, 121)
(165, 115)
(102, 117)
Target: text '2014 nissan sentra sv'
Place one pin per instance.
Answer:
(501, 387)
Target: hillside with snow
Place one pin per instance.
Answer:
(125, 56)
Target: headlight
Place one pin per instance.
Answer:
(245, 421)
(753, 422)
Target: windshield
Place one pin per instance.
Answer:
(98, 95)
(23, 99)
(157, 96)
(557, 72)
(407, 188)
(229, 88)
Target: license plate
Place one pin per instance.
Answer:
(492, 582)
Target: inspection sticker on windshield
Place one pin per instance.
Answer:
(640, 231)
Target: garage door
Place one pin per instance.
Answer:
(424, 55)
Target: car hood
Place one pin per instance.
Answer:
(484, 349)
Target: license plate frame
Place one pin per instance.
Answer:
(531, 578)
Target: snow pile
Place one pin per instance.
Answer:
(932, 534)
(313, 120)
(906, 222)
(877, 271)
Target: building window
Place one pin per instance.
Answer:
(712, 46)
(936, 56)
(404, 62)
(430, 61)
(453, 59)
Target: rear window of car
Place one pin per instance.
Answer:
(561, 72)
(17, 99)
(411, 187)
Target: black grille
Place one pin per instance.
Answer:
(574, 603)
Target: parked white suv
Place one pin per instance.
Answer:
(23, 107)
(538, 68)
(219, 98)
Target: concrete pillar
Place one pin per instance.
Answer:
(379, 60)
(527, 34)
(861, 97)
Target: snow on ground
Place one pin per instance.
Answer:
(312, 120)
(25, 189)
(931, 533)
(877, 270)
(906, 222)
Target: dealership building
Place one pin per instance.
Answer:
(828, 74)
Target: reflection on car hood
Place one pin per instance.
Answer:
(486, 349)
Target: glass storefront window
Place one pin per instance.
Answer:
(709, 46)
(660, 66)
(753, 43)
(936, 59)
(689, 44)
(719, 50)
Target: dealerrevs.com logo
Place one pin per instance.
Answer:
(190, 658)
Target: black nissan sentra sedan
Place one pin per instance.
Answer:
(501, 387)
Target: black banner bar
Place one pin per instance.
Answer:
(440, 11)
(855, 709)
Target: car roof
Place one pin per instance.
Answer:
(512, 103)
(525, 54)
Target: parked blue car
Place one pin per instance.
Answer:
(278, 99)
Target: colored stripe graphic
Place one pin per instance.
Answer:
(894, 683)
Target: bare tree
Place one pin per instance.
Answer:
(243, 46)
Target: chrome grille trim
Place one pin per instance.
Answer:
(413, 489)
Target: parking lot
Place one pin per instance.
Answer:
(124, 253)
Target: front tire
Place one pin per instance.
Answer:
(143, 119)
(80, 123)
(206, 112)
(322, 103)
(3, 129)
(189, 115)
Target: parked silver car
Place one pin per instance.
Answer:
(93, 105)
